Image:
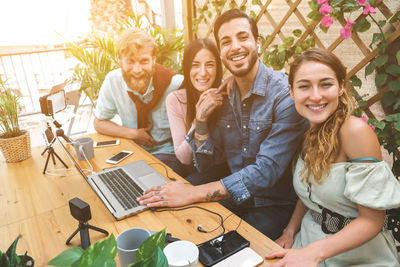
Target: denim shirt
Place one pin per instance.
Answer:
(259, 136)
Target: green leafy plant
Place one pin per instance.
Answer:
(102, 253)
(279, 56)
(11, 259)
(150, 253)
(9, 107)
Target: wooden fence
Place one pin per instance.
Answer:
(276, 20)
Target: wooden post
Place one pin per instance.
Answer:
(167, 14)
(187, 20)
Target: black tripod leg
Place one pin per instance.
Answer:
(52, 156)
(66, 166)
(47, 162)
(97, 229)
(85, 239)
(44, 151)
(72, 236)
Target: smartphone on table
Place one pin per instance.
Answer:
(216, 250)
(106, 143)
(119, 157)
(243, 258)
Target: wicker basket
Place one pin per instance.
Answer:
(16, 149)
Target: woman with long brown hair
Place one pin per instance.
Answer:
(202, 71)
(343, 185)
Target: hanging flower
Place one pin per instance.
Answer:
(361, 2)
(345, 32)
(321, 2)
(369, 9)
(325, 9)
(366, 120)
(327, 21)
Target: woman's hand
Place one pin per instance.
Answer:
(207, 103)
(286, 240)
(294, 257)
(172, 194)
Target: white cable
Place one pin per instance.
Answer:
(49, 172)
(84, 155)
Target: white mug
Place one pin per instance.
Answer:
(182, 254)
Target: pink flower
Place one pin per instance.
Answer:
(327, 21)
(321, 2)
(325, 9)
(368, 9)
(361, 2)
(345, 32)
(366, 120)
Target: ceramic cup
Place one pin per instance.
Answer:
(182, 254)
(128, 243)
(84, 145)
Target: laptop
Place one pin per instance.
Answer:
(118, 187)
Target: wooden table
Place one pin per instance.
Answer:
(36, 206)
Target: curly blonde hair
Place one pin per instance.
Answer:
(321, 144)
(132, 40)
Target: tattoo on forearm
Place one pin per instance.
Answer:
(204, 111)
(215, 196)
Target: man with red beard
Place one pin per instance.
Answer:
(257, 130)
(137, 92)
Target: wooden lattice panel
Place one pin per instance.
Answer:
(277, 19)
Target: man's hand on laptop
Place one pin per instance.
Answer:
(172, 194)
(178, 194)
(143, 137)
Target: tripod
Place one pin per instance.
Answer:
(80, 210)
(83, 229)
(50, 138)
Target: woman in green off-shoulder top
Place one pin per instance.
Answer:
(343, 185)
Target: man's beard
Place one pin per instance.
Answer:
(140, 86)
(253, 57)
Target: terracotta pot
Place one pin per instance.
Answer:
(16, 149)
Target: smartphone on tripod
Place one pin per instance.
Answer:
(48, 136)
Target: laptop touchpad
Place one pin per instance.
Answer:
(150, 180)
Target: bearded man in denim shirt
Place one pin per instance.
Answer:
(257, 129)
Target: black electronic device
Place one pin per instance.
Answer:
(217, 249)
(49, 139)
(80, 210)
(106, 143)
(52, 103)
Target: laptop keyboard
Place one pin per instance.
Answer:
(122, 187)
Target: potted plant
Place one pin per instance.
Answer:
(15, 144)
(102, 253)
(11, 259)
